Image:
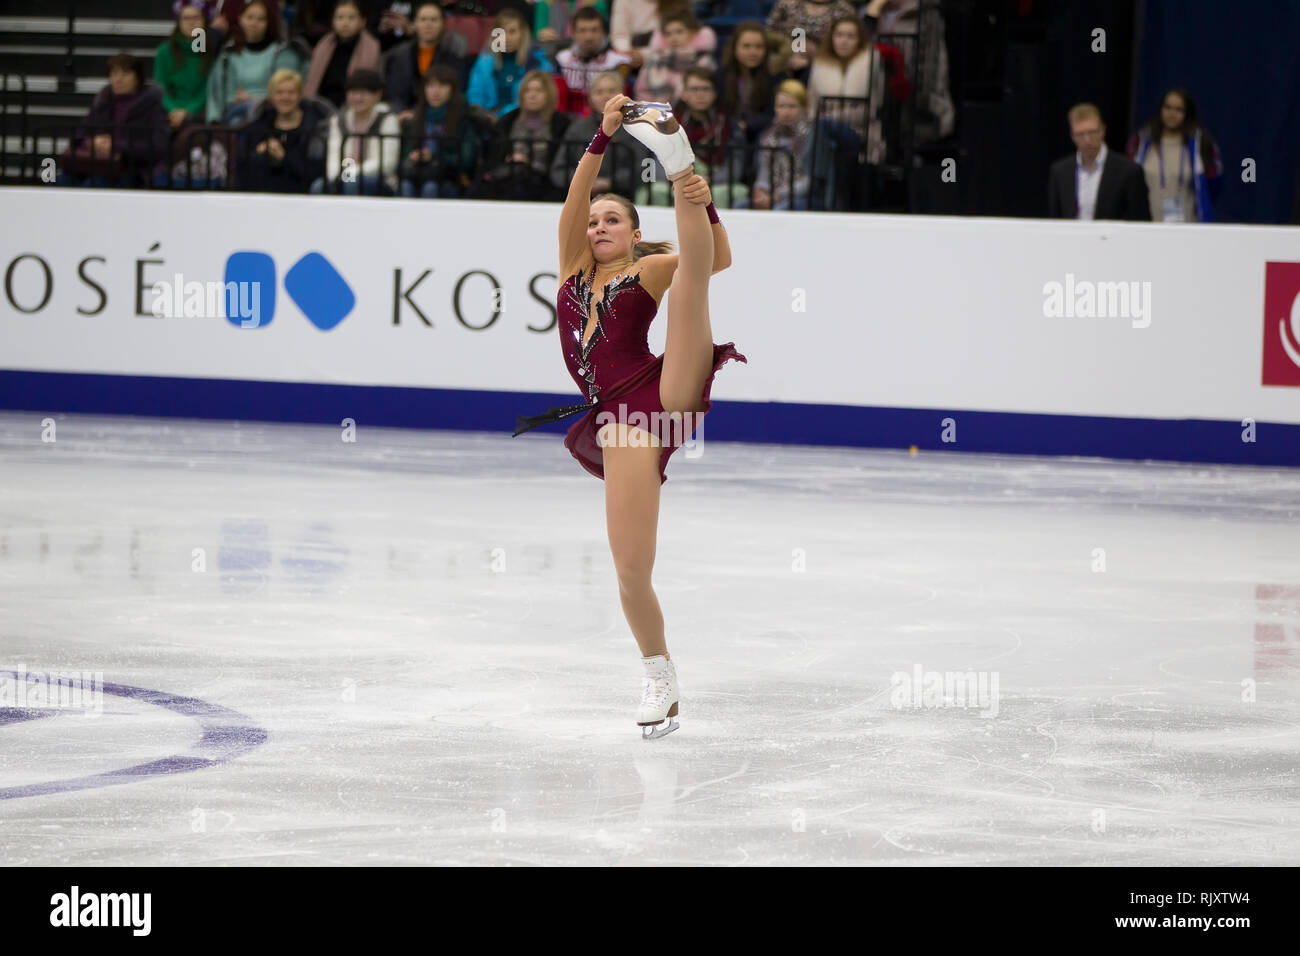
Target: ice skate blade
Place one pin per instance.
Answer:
(658, 115)
(661, 729)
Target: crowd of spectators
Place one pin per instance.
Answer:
(437, 100)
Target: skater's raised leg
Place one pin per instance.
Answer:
(688, 345)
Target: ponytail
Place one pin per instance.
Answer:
(650, 249)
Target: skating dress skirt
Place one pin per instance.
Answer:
(616, 370)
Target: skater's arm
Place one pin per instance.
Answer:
(577, 204)
(696, 190)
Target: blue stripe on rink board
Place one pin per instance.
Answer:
(780, 422)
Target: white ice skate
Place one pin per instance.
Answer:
(657, 715)
(656, 127)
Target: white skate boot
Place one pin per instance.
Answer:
(657, 715)
(656, 127)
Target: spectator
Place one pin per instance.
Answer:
(494, 81)
(1176, 131)
(211, 10)
(348, 47)
(745, 85)
(123, 139)
(716, 138)
(1095, 183)
(439, 142)
(364, 146)
(392, 22)
(238, 81)
(624, 156)
(814, 18)
(935, 114)
(181, 71)
(233, 11)
(283, 146)
(525, 144)
(849, 65)
(590, 55)
(660, 80)
(633, 25)
(784, 181)
(409, 63)
(553, 22)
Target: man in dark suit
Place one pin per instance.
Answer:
(1095, 183)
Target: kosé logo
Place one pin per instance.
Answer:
(313, 284)
(1281, 324)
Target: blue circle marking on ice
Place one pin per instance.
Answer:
(226, 735)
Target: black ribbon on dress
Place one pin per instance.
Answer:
(552, 414)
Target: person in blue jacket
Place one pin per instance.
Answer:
(500, 68)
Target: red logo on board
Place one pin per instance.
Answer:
(1281, 323)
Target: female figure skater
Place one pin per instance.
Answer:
(636, 402)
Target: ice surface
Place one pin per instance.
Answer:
(409, 649)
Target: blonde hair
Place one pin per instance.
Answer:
(1084, 111)
(641, 248)
(279, 76)
(792, 88)
(606, 75)
(521, 55)
(548, 89)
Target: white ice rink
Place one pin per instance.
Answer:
(409, 649)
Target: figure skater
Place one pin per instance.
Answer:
(640, 408)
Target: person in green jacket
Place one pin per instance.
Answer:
(182, 63)
(237, 83)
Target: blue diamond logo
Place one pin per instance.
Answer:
(319, 291)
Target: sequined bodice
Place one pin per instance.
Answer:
(618, 344)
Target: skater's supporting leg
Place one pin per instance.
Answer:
(688, 346)
(632, 518)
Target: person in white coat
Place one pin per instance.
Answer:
(365, 142)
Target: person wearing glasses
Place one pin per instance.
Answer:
(1095, 182)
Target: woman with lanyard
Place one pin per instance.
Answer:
(1180, 159)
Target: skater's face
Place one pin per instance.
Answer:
(610, 232)
(751, 48)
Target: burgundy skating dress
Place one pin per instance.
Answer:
(615, 368)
